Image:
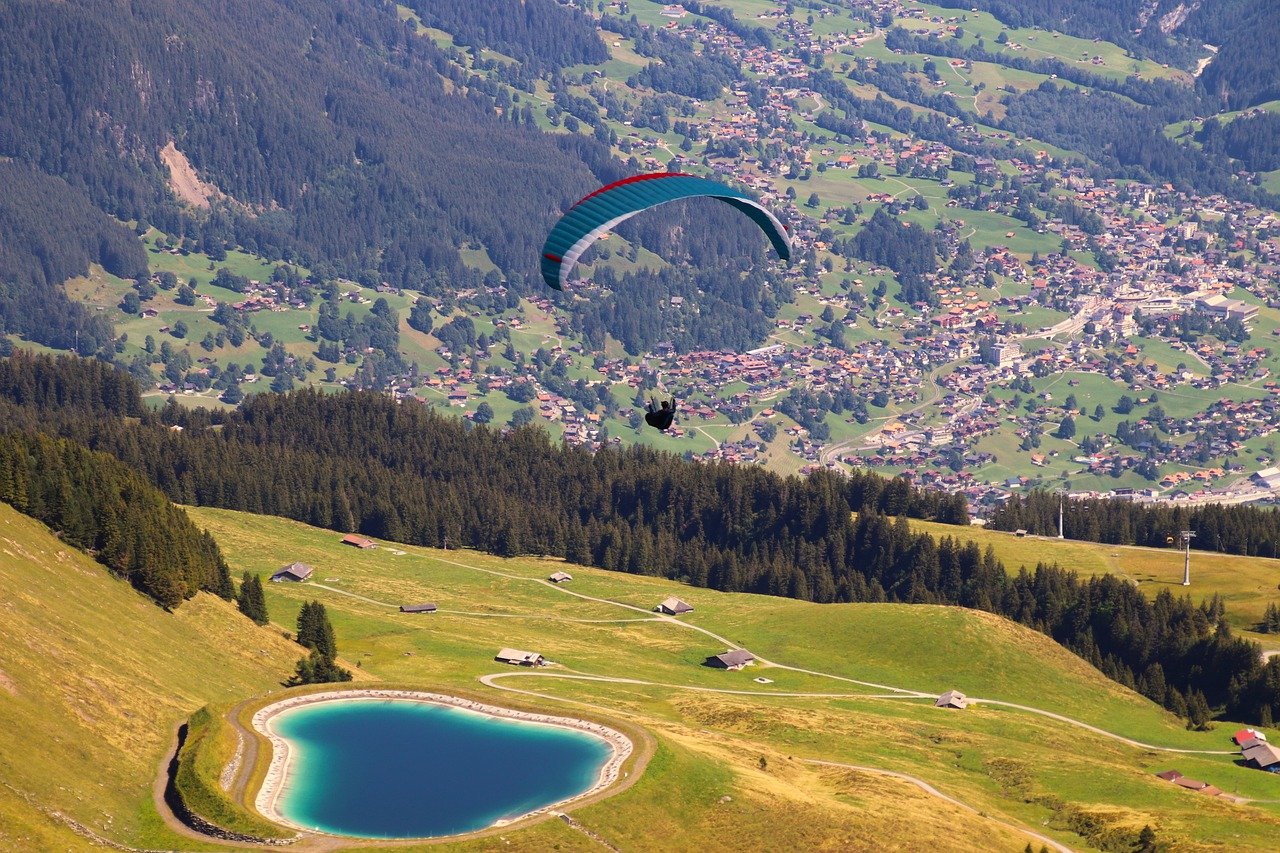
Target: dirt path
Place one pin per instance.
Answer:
(929, 789)
(895, 692)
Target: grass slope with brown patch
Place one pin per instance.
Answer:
(96, 677)
(731, 769)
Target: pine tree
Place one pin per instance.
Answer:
(315, 631)
(1198, 713)
(251, 601)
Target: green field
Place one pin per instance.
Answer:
(486, 602)
(94, 678)
(1248, 584)
(75, 738)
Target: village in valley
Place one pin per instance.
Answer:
(1083, 333)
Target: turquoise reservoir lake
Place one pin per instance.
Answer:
(406, 769)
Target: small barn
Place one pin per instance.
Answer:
(560, 577)
(1248, 734)
(952, 699)
(516, 657)
(1264, 756)
(1020, 533)
(297, 572)
(357, 541)
(674, 607)
(425, 607)
(1169, 775)
(1189, 784)
(732, 659)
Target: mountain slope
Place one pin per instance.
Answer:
(333, 127)
(1085, 789)
(93, 678)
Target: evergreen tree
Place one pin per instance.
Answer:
(251, 601)
(1198, 712)
(315, 631)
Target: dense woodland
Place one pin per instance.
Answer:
(50, 232)
(340, 140)
(398, 471)
(1246, 530)
(540, 34)
(99, 505)
(1254, 140)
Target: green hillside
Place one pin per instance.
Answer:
(1247, 584)
(1087, 789)
(93, 679)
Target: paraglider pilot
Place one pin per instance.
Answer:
(661, 418)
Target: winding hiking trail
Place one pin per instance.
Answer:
(893, 692)
(929, 789)
(247, 752)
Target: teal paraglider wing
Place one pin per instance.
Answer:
(602, 210)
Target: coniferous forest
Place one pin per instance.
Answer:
(1250, 531)
(336, 137)
(97, 504)
(361, 461)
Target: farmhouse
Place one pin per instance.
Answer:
(357, 541)
(952, 699)
(519, 658)
(1189, 783)
(293, 572)
(674, 607)
(560, 577)
(1248, 734)
(425, 607)
(733, 659)
(1263, 756)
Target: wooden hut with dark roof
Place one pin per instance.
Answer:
(732, 659)
(1263, 756)
(297, 572)
(425, 607)
(674, 607)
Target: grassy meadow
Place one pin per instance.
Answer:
(94, 678)
(710, 744)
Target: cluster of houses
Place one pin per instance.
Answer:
(1255, 752)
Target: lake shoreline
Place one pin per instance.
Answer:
(276, 781)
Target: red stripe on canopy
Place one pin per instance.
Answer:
(631, 180)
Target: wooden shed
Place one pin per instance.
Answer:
(425, 607)
(674, 607)
(357, 541)
(732, 659)
(952, 699)
(293, 572)
(1264, 756)
(560, 577)
(518, 657)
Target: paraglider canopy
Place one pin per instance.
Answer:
(603, 209)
